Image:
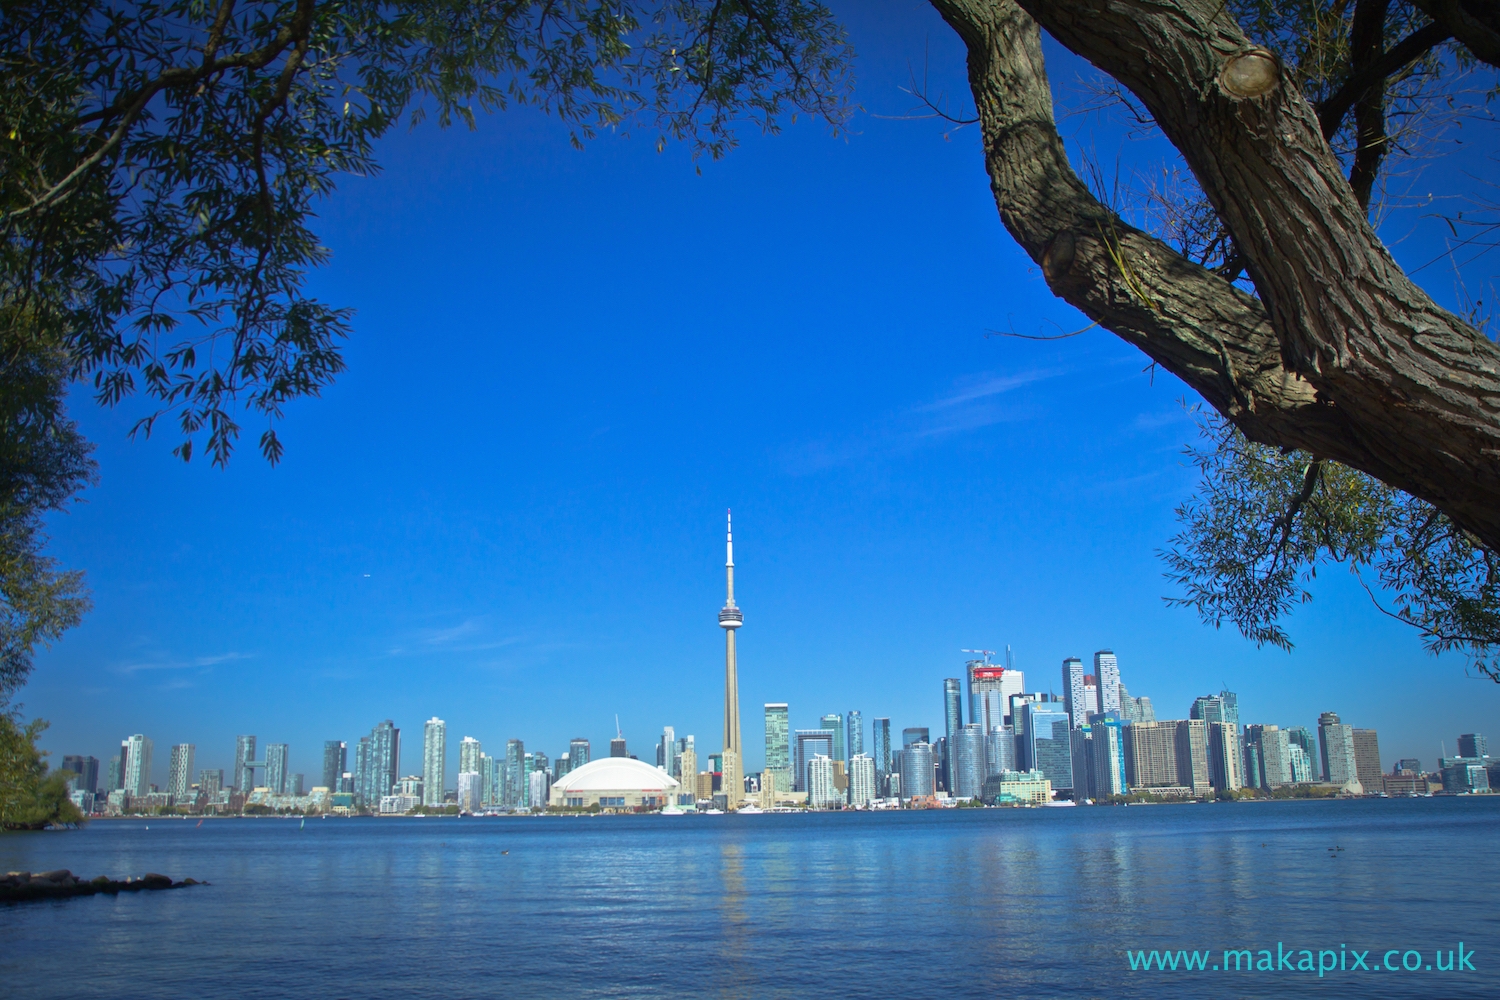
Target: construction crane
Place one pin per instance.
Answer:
(986, 653)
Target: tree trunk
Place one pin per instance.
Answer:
(1342, 355)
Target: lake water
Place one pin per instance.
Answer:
(970, 903)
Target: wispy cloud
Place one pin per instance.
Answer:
(193, 663)
(973, 403)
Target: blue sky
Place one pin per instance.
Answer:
(566, 365)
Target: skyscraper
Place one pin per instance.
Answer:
(953, 719)
(135, 753)
(1225, 756)
(210, 783)
(1107, 769)
(1209, 708)
(854, 734)
(180, 773)
(914, 734)
(470, 752)
(617, 747)
(821, 793)
(880, 742)
(1075, 701)
(1135, 709)
(276, 767)
(808, 743)
(434, 761)
(917, 770)
(1107, 674)
(335, 763)
(244, 754)
(87, 769)
(513, 793)
(966, 762)
(990, 690)
(667, 750)
(999, 750)
(730, 619)
(578, 753)
(835, 725)
(383, 763)
(779, 744)
(1367, 760)
(862, 787)
(1047, 746)
(1336, 747)
(1473, 745)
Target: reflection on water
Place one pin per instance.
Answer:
(955, 904)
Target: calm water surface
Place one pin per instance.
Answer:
(971, 903)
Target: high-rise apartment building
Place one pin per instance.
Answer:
(914, 734)
(1208, 708)
(135, 755)
(667, 750)
(1192, 756)
(1231, 708)
(1300, 764)
(470, 752)
(617, 747)
(880, 742)
(862, 781)
(1046, 745)
(470, 791)
(999, 750)
(1336, 749)
(1225, 756)
(821, 793)
(1107, 768)
(513, 793)
(87, 769)
(180, 774)
(688, 785)
(210, 783)
(277, 755)
(382, 764)
(779, 744)
(918, 771)
(1473, 745)
(835, 725)
(1135, 709)
(362, 773)
(1081, 739)
(1273, 755)
(1075, 700)
(1367, 760)
(434, 761)
(966, 762)
(578, 752)
(335, 763)
(990, 689)
(807, 744)
(1151, 755)
(953, 719)
(244, 755)
(1107, 674)
(854, 734)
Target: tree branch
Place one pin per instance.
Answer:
(1332, 109)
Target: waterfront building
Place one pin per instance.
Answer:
(578, 752)
(1225, 756)
(1081, 740)
(434, 761)
(1473, 745)
(687, 791)
(940, 761)
(1107, 674)
(966, 762)
(835, 725)
(470, 791)
(730, 620)
(1336, 748)
(180, 774)
(880, 743)
(489, 776)
(1168, 758)
(210, 783)
(277, 757)
(854, 734)
(470, 751)
(1404, 783)
(999, 750)
(917, 771)
(1301, 736)
(1192, 755)
(914, 734)
(1299, 764)
(862, 781)
(779, 744)
(807, 744)
(294, 785)
(382, 765)
(1045, 744)
(1075, 701)
(87, 769)
(335, 763)
(539, 787)
(116, 778)
(616, 783)
(512, 791)
(398, 805)
(821, 791)
(1107, 756)
(1018, 788)
(1276, 758)
(953, 719)
(1135, 709)
(991, 688)
(135, 757)
(1464, 775)
(410, 786)
(1367, 759)
(1411, 764)
(244, 754)
(564, 764)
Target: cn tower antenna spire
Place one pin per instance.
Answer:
(731, 618)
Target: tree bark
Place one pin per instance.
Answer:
(1341, 355)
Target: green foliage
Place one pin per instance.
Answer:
(30, 797)
(160, 160)
(1263, 521)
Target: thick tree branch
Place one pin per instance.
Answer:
(1331, 110)
(1475, 23)
(1366, 46)
(1361, 366)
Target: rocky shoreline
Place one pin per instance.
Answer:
(20, 887)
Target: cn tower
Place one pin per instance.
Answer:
(730, 619)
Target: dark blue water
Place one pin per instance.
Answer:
(992, 903)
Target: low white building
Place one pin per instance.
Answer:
(614, 783)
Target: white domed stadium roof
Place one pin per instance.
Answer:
(611, 774)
